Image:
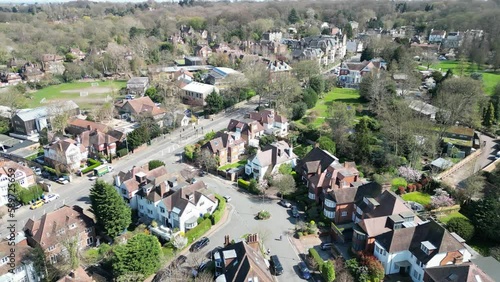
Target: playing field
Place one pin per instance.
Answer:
(85, 94)
(490, 79)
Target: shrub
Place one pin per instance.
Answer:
(198, 231)
(263, 214)
(243, 184)
(328, 271)
(418, 187)
(442, 201)
(462, 227)
(317, 258)
(300, 234)
(398, 182)
(401, 190)
(219, 211)
(122, 152)
(50, 170)
(375, 268)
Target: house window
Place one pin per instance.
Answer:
(60, 231)
(150, 212)
(344, 213)
(90, 240)
(72, 226)
(88, 230)
(51, 248)
(218, 263)
(141, 207)
(162, 210)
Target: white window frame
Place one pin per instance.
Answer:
(343, 214)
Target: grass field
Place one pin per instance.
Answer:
(417, 197)
(447, 218)
(235, 165)
(490, 79)
(71, 91)
(344, 95)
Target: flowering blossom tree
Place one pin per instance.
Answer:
(442, 200)
(408, 173)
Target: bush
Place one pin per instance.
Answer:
(50, 170)
(317, 258)
(198, 231)
(26, 196)
(250, 186)
(328, 271)
(398, 182)
(462, 227)
(93, 164)
(243, 184)
(219, 211)
(300, 234)
(263, 214)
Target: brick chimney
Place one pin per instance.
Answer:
(226, 241)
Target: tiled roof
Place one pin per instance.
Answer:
(6, 164)
(131, 184)
(22, 253)
(466, 272)
(142, 104)
(87, 124)
(316, 154)
(96, 138)
(180, 198)
(77, 275)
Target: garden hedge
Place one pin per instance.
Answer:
(219, 211)
(93, 164)
(50, 170)
(198, 231)
(314, 254)
(122, 152)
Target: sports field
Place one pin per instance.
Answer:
(85, 94)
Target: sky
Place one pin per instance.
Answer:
(62, 1)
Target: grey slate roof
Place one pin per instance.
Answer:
(44, 111)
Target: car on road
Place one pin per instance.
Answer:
(276, 266)
(178, 261)
(199, 244)
(304, 271)
(37, 204)
(92, 178)
(227, 198)
(285, 203)
(51, 197)
(326, 246)
(196, 271)
(62, 181)
(14, 204)
(210, 254)
(295, 211)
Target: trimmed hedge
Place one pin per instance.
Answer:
(50, 170)
(93, 164)
(314, 254)
(122, 152)
(243, 184)
(247, 185)
(198, 231)
(219, 211)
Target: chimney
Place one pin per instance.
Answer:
(279, 152)
(89, 127)
(316, 145)
(226, 241)
(72, 274)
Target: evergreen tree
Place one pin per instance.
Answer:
(310, 97)
(141, 255)
(293, 17)
(154, 164)
(328, 271)
(348, 30)
(215, 103)
(112, 214)
(367, 54)
(489, 115)
(362, 139)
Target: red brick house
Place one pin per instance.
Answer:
(226, 147)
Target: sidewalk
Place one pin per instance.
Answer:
(223, 221)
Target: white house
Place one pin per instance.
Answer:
(23, 268)
(269, 160)
(65, 155)
(409, 248)
(183, 208)
(195, 93)
(437, 36)
(22, 174)
(273, 123)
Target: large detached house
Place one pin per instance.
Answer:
(131, 109)
(411, 248)
(270, 159)
(467, 272)
(249, 130)
(23, 175)
(51, 231)
(24, 269)
(226, 147)
(351, 73)
(65, 155)
(273, 123)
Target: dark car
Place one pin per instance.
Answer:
(200, 244)
(285, 203)
(326, 246)
(14, 204)
(178, 261)
(304, 271)
(210, 254)
(295, 211)
(276, 265)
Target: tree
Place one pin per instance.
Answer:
(152, 93)
(266, 140)
(298, 110)
(284, 183)
(309, 97)
(348, 30)
(215, 103)
(179, 242)
(59, 113)
(72, 72)
(14, 100)
(341, 119)
(362, 139)
(327, 144)
(293, 17)
(462, 227)
(154, 164)
(112, 214)
(306, 69)
(485, 218)
(489, 115)
(317, 83)
(207, 160)
(473, 186)
(367, 54)
(495, 100)
(375, 268)
(140, 254)
(328, 271)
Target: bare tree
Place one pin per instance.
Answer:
(14, 100)
(285, 184)
(207, 160)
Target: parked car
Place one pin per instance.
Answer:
(227, 198)
(92, 178)
(285, 203)
(62, 181)
(199, 269)
(37, 204)
(110, 168)
(38, 171)
(51, 197)
(14, 204)
(326, 246)
(295, 211)
(276, 266)
(304, 271)
(199, 245)
(178, 261)
(210, 254)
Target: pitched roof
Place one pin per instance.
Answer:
(245, 125)
(142, 104)
(199, 88)
(316, 158)
(466, 272)
(275, 153)
(181, 198)
(267, 117)
(488, 265)
(22, 253)
(87, 124)
(43, 230)
(5, 165)
(77, 275)
(138, 80)
(31, 114)
(355, 193)
(222, 141)
(96, 138)
(131, 184)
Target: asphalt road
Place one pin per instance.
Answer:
(168, 149)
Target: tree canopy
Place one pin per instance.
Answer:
(141, 254)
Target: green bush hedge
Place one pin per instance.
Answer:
(93, 164)
(317, 258)
(122, 152)
(26, 196)
(219, 211)
(50, 170)
(243, 184)
(250, 186)
(198, 231)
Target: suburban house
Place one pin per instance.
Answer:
(183, 77)
(273, 123)
(249, 130)
(195, 93)
(488, 265)
(437, 36)
(53, 64)
(466, 272)
(183, 208)
(193, 61)
(31, 72)
(225, 147)
(278, 66)
(28, 123)
(335, 186)
(77, 53)
(23, 268)
(128, 183)
(65, 155)
(410, 249)
(11, 78)
(241, 261)
(22, 175)
(137, 86)
(354, 46)
(78, 126)
(131, 109)
(374, 215)
(66, 223)
(97, 142)
(77, 275)
(220, 76)
(351, 73)
(203, 51)
(463, 138)
(268, 160)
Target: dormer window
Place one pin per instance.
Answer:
(427, 247)
(328, 174)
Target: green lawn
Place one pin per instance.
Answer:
(235, 165)
(71, 91)
(418, 197)
(344, 95)
(490, 79)
(447, 218)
